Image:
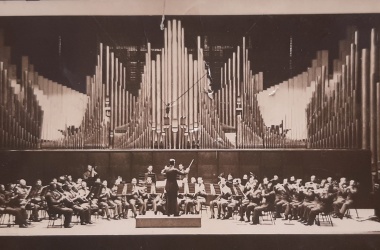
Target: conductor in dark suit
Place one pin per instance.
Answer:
(172, 186)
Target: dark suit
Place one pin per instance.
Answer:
(172, 190)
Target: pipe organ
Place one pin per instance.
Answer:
(173, 109)
(326, 106)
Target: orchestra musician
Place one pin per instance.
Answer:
(160, 201)
(36, 200)
(308, 200)
(136, 199)
(55, 204)
(83, 193)
(120, 200)
(244, 180)
(325, 197)
(340, 196)
(312, 183)
(22, 191)
(296, 197)
(90, 175)
(6, 208)
(350, 193)
(106, 203)
(235, 200)
(77, 204)
(221, 201)
(267, 202)
(248, 192)
(181, 168)
(150, 174)
(199, 195)
(171, 186)
(185, 199)
(254, 198)
(282, 197)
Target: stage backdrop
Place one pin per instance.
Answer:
(45, 165)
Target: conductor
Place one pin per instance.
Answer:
(172, 186)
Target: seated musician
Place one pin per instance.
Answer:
(83, 194)
(22, 192)
(325, 197)
(55, 204)
(6, 208)
(351, 192)
(329, 181)
(69, 180)
(309, 197)
(106, 203)
(244, 179)
(181, 168)
(186, 200)
(235, 200)
(292, 180)
(248, 192)
(79, 183)
(323, 183)
(253, 196)
(340, 196)
(267, 202)
(121, 201)
(283, 191)
(78, 205)
(275, 180)
(90, 175)
(160, 201)
(36, 200)
(296, 198)
(135, 199)
(146, 198)
(222, 200)
(149, 196)
(230, 180)
(193, 180)
(199, 195)
(151, 175)
(312, 183)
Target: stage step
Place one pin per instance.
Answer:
(163, 221)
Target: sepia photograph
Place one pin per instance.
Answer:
(189, 125)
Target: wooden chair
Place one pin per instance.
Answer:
(268, 215)
(348, 213)
(53, 217)
(10, 222)
(324, 217)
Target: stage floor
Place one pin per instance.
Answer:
(209, 227)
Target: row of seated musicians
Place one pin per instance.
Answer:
(68, 198)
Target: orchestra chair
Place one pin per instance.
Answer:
(10, 222)
(209, 197)
(348, 213)
(205, 208)
(235, 213)
(268, 215)
(53, 217)
(324, 217)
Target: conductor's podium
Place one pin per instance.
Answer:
(163, 221)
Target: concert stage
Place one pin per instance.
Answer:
(209, 227)
(221, 234)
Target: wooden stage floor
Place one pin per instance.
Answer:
(209, 227)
